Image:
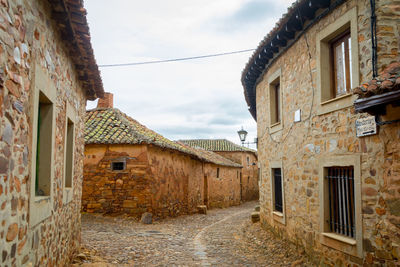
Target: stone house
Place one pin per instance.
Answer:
(245, 156)
(131, 169)
(47, 73)
(329, 178)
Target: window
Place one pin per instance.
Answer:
(341, 62)
(275, 101)
(340, 203)
(42, 112)
(44, 146)
(337, 63)
(217, 172)
(248, 161)
(340, 182)
(69, 157)
(277, 187)
(118, 166)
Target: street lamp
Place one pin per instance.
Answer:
(242, 135)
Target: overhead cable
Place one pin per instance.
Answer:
(173, 60)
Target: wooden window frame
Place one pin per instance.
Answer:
(345, 38)
(326, 102)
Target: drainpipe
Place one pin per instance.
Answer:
(374, 40)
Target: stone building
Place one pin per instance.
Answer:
(129, 168)
(245, 156)
(47, 73)
(329, 178)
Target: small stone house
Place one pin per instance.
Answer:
(330, 170)
(47, 73)
(129, 168)
(244, 156)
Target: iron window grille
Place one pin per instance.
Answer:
(341, 200)
(278, 190)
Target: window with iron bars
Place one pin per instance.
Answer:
(340, 182)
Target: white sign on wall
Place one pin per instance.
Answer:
(366, 126)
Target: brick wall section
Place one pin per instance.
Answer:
(299, 146)
(28, 39)
(249, 172)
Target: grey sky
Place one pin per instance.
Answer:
(181, 100)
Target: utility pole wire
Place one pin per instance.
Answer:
(173, 60)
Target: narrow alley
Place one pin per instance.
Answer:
(223, 237)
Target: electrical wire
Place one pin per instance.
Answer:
(174, 59)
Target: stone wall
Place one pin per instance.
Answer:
(29, 43)
(249, 172)
(301, 147)
(224, 190)
(154, 180)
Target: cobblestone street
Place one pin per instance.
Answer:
(223, 237)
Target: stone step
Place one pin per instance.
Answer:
(255, 216)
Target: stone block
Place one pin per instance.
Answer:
(255, 216)
(202, 209)
(129, 204)
(147, 218)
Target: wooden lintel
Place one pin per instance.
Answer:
(377, 104)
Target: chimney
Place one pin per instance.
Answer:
(106, 101)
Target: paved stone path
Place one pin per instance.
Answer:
(223, 237)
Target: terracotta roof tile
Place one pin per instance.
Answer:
(387, 81)
(216, 145)
(111, 126)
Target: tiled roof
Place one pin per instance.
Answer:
(300, 16)
(111, 126)
(388, 81)
(70, 16)
(216, 145)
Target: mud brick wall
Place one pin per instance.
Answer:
(223, 191)
(154, 180)
(300, 146)
(171, 191)
(249, 172)
(29, 40)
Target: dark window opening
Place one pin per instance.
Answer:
(44, 146)
(277, 103)
(341, 64)
(277, 173)
(217, 172)
(341, 200)
(69, 154)
(118, 166)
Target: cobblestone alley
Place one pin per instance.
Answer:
(223, 237)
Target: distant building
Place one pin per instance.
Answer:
(330, 172)
(131, 169)
(239, 154)
(47, 74)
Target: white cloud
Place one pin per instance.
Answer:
(190, 99)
